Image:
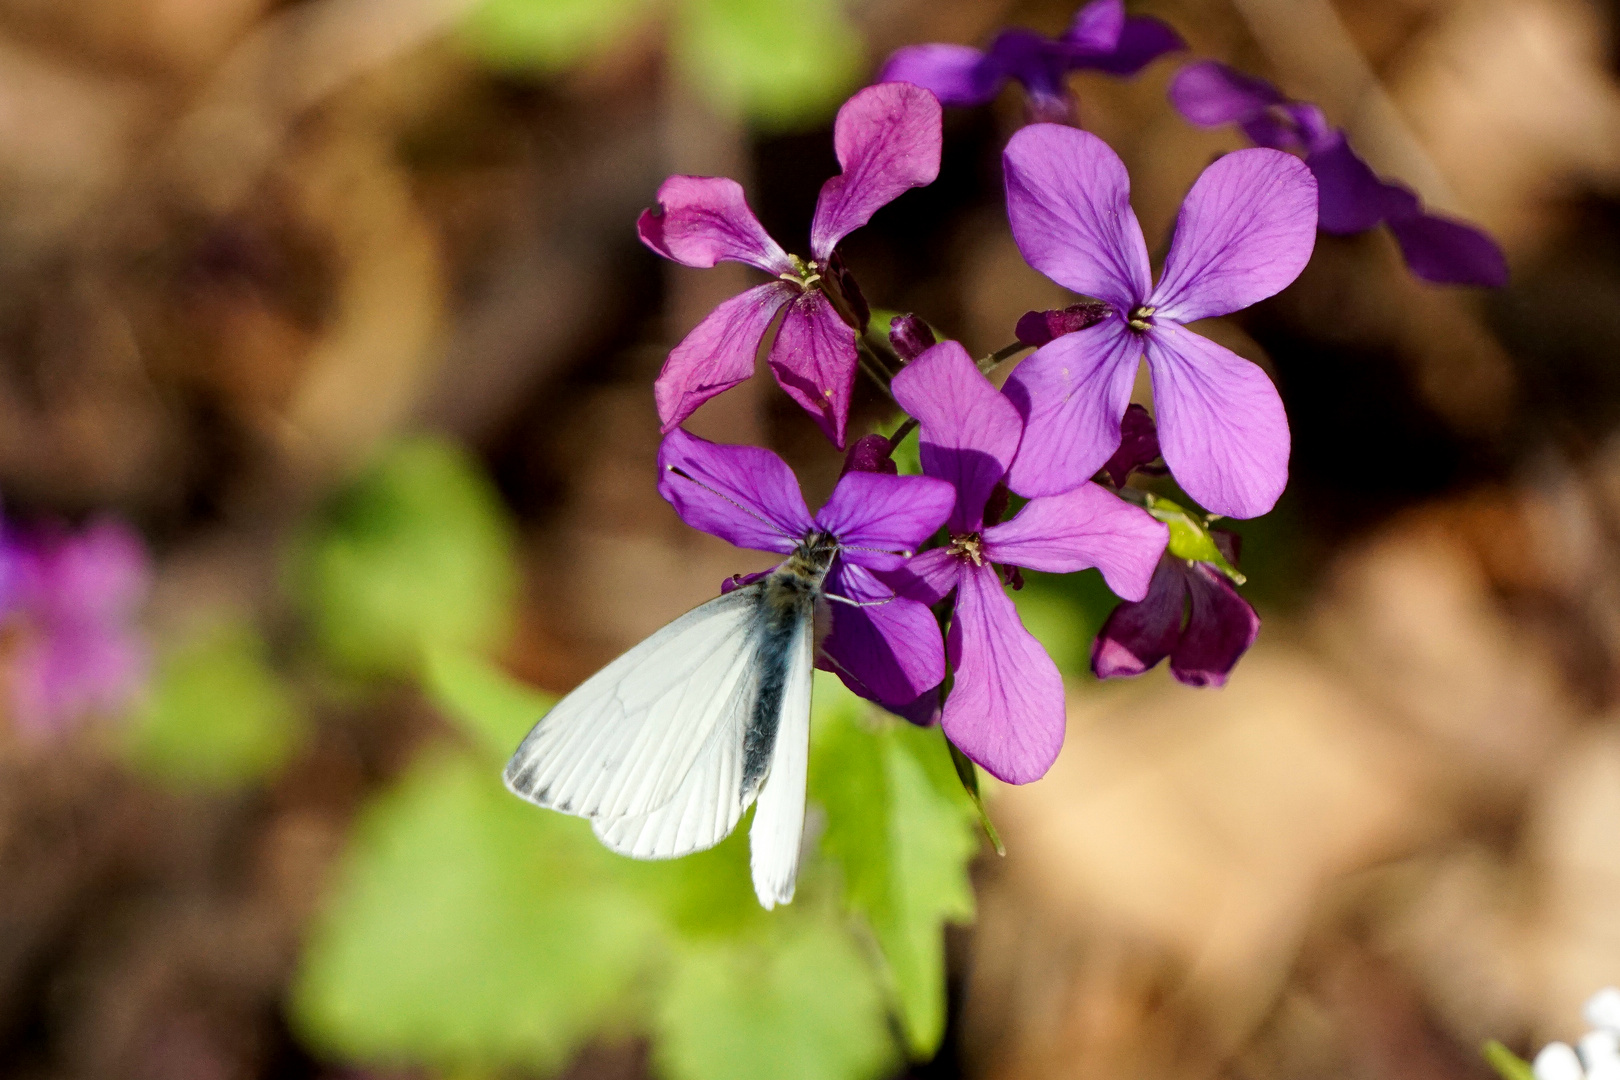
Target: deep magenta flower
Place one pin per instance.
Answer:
(889, 649)
(1005, 709)
(1245, 232)
(1351, 198)
(1191, 613)
(888, 140)
(1101, 38)
(72, 600)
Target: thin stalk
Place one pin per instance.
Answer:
(1006, 352)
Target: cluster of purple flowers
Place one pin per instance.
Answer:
(934, 635)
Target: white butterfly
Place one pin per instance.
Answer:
(665, 748)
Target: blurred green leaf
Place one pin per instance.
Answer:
(469, 928)
(218, 715)
(798, 1003)
(902, 830)
(547, 35)
(493, 708)
(779, 63)
(417, 554)
(1508, 1065)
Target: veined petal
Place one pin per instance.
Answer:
(1245, 231)
(1350, 197)
(718, 354)
(814, 361)
(956, 74)
(1220, 628)
(1071, 394)
(888, 138)
(1449, 252)
(1222, 428)
(1210, 94)
(879, 520)
(889, 651)
(1086, 527)
(1096, 27)
(970, 430)
(1005, 709)
(928, 578)
(1138, 635)
(744, 494)
(1068, 202)
(702, 220)
(1142, 40)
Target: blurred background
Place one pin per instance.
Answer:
(326, 456)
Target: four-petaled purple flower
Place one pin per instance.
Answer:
(889, 648)
(1191, 613)
(72, 600)
(888, 140)
(1352, 198)
(1245, 231)
(1005, 709)
(1101, 38)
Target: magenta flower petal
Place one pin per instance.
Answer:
(970, 430)
(881, 519)
(928, 578)
(718, 354)
(814, 361)
(1005, 709)
(888, 138)
(702, 220)
(1350, 197)
(1072, 394)
(1220, 628)
(1096, 28)
(890, 651)
(743, 494)
(1245, 232)
(1142, 40)
(1068, 202)
(1448, 252)
(1211, 94)
(1079, 529)
(1138, 635)
(955, 74)
(1222, 428)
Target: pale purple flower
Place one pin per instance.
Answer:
(1245, 232)
(1005, 709)
(888, 140)
(1191, 613)
(1352, 198)
(1101, 38)
(72, 601)
(889, 649)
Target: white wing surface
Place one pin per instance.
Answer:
(625, 742)
(778, 827)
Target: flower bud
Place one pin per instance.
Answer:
(910, 336)
(870, 453)
(1037, 328)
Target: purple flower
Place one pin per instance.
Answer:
(73, 599)
(1191, 614)
(1005, 709)
(1245, 231)
(1352, 198)
(888, 140)
(889, 650)
(1101, 38)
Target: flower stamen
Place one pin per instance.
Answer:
(967, 547)
(1141, 319)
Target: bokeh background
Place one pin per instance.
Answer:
(326, 454)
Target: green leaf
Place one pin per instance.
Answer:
(417, 554)
(779, 63)
(799, 1002)
(470, 929)
(548, 35)
(218, 715)
(902, 830)
(1189, 536)
(493, 708)
(1508, 1065)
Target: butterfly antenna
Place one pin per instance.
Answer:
(684, 475)
(904, 553)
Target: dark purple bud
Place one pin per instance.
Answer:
(870, 453)
(910, 336)
(1036, 328)
(1220, 628)
(1138, 445)
(996, 505)
(1138, 635)
(1012, 576)
(1228, 543)
(845, 294)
